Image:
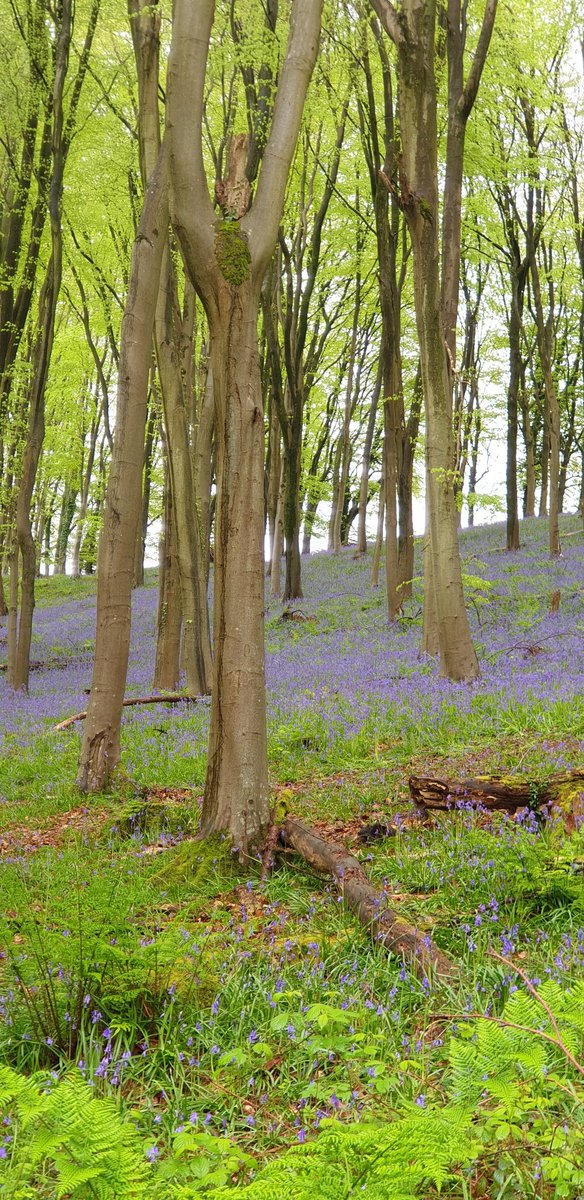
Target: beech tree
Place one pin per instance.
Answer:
(413, 30)
(227, 258)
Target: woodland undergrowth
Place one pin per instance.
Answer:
(173, 1027)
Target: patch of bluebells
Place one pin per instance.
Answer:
(351, 675)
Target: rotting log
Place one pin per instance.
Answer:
(170, 698)
(386, 927)
(561, 794)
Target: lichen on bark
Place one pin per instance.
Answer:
(232, 252)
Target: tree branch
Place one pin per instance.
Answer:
(389, 18)
(262, 222)
(191, 207)
(471, 86)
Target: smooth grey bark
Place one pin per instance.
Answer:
(227, 260)
(413, 29)
(173, 336)
(100, 749)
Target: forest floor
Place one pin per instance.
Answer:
(230, 1019)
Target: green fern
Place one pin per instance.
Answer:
(64, 1132)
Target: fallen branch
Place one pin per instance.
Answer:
(499, 793)
(370, 906)
(170, 698)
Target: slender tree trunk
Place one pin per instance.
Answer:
(529, 442)
(274, 476)
(149, 442)
(515, 321)
(293, 457)
(405, 562)
(187, 515)
(366, 466)
(68, 506)
(309, 518)
(61, 133)
(278, 542)
(419, 196)
(169, 616)
(100, 750)
(474, 460)
(377, 549)
(552, 413)
(84, 496)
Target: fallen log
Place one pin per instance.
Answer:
(562, 793)
(371, 907)
(170, 698)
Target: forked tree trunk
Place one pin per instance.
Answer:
(227, 260)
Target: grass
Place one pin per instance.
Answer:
(200, 1000)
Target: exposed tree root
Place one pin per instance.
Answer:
(169, 698)
(370, 906)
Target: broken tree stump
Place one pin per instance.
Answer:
(561, 794)
(370, 906)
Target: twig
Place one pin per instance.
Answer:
(524, 645)
(170, 698)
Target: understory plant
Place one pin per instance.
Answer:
(507, 1122)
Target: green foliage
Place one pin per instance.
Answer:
(66, 1143)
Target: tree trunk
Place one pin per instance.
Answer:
(61, 133)
(309, 518)
(169, 616)
(278, 543)
(515, 367)
(405, 562)
(227, 259)
(366, 466)
(376, 560)
(529, 442)
(552, 413)
(293, 457)
(149, 442)
(419, 196)
(238, 740)
(100, 750)
(68, 505)
(190, 537)
(273, 481)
